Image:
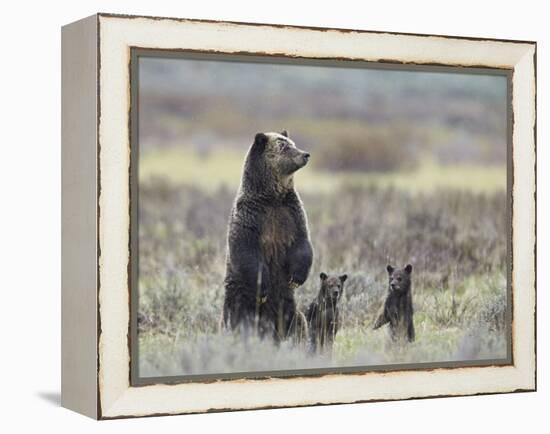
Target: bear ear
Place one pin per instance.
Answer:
(323, 276)
(260, 141)
(284, 133)
(390, 269)
(343, 277)
(408, 268)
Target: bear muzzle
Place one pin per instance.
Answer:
(302, 158)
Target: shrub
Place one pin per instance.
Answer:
(455, 241)
(376, 150)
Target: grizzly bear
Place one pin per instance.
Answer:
(398, 307)
(269, 252)
(322, 316)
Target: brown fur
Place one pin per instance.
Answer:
(323, 316)
(277, 234)
(398, 306)
(269, 254)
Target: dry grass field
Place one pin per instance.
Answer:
(454, 238)
(406, 167)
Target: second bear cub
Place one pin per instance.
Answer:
(398, 307)
(322, 315)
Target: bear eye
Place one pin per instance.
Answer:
(399, 279)
(283, 146)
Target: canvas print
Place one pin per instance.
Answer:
(297, 216)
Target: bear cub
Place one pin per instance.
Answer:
(322, 315)
(398, 306)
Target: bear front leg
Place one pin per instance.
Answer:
(381, 320)
(300, 259)
(384, 315)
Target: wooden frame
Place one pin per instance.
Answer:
(96, 215)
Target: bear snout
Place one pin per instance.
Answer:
(304, 157)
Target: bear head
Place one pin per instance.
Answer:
(399, 279)
(278, 153)
(332, 287)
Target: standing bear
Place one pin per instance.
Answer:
(269, 252)
(323, 315)
(398, 307)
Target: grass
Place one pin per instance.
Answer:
(455, 240)
(446, 337)
(223, 168)
(371, 194)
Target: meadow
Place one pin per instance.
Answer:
(407, 166)
(448, 221)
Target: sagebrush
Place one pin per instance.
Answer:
(455, 240)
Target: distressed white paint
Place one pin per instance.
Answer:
(79, 211)
(117, 397)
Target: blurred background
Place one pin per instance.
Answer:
(406, 166)
(203, 114)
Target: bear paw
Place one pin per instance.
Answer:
(293, 284)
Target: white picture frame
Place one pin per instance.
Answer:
(96, 155)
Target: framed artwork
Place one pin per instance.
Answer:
(263, 216)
